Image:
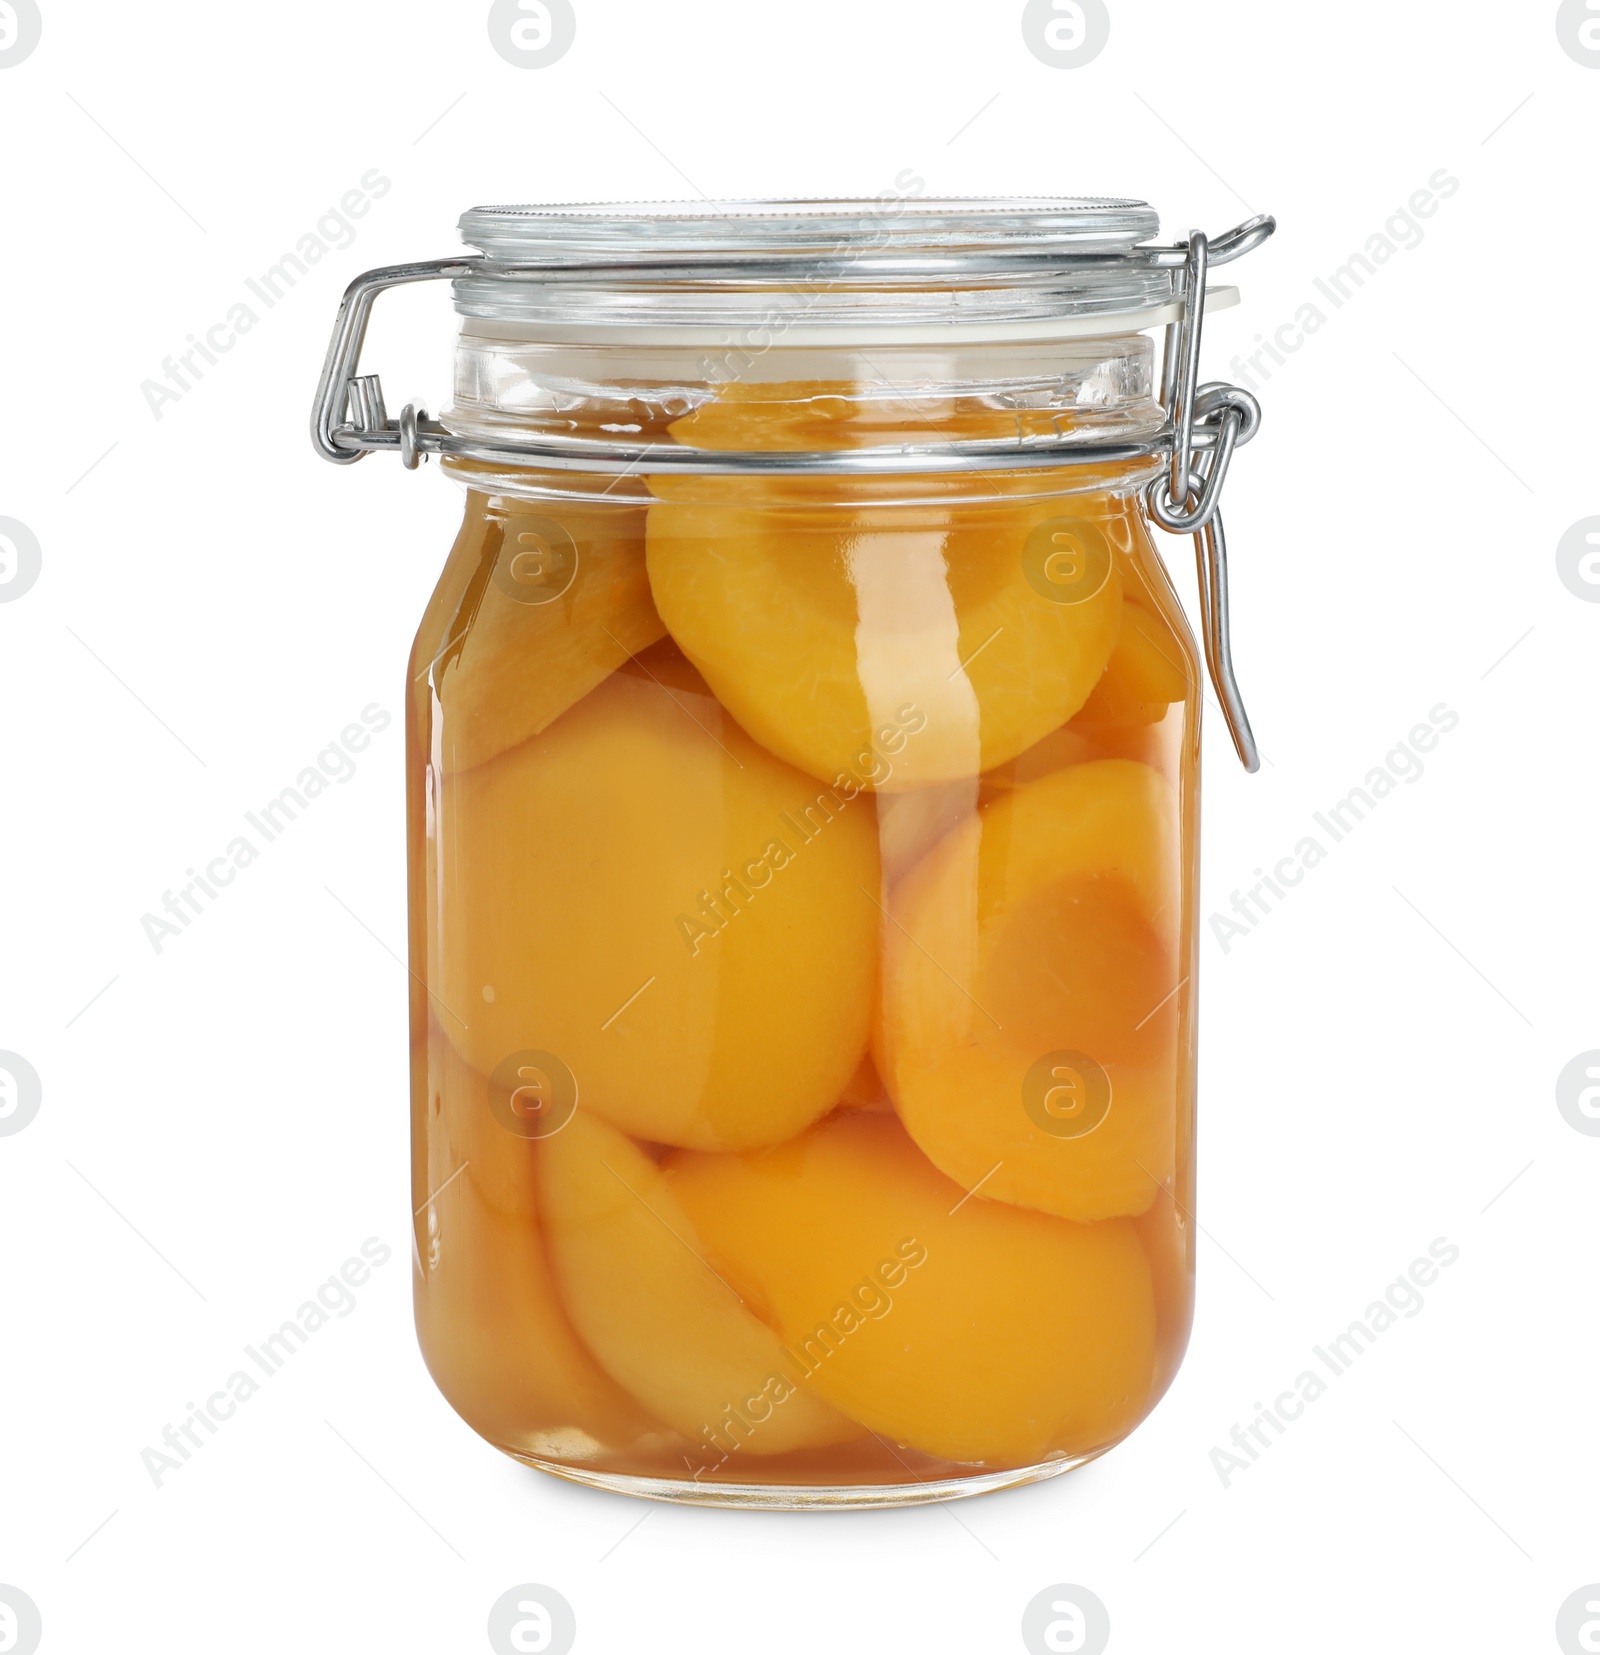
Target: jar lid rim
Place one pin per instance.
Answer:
(899, 224)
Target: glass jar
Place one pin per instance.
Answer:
(803, 764)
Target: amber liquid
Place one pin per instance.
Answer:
(803, 940)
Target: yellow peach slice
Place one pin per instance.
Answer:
(658, 1317)
(1029, 1011)
(681, 920)
(491, 1327)
(911, 824)
(1059, 749)
(457, 1136)
(819, 416)
(545, 601)
(890, 646)
(1149, 744)
(816, 416)
(1147, 672)
(966, 1329)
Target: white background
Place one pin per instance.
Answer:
(224, 1123)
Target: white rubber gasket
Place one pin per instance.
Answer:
(769, 333)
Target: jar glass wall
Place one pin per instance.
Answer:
(803, 928)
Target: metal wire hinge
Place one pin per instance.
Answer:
(1208, 423)
(1203, 425)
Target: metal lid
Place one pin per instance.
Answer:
(896, 262)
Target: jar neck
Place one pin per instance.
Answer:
(858, 391)
(725, 394)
